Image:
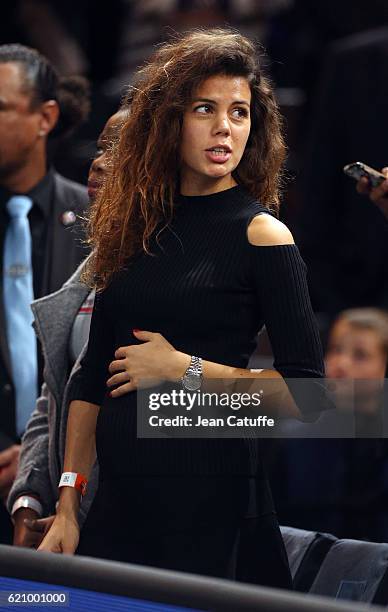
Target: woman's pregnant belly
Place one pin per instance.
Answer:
(121, 452)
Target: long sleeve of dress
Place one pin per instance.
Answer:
(279, 275)
(89, 383)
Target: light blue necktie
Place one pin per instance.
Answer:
(18, 295)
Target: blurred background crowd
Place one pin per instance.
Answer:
(329, 63)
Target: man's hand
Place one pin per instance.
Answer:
(29, 529)
(38, 528)
(9, 461)
(378, 195)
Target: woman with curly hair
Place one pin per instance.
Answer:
(187, 248)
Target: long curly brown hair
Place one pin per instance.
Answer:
(138, 196)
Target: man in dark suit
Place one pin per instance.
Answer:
(33, 106)
(344, 241)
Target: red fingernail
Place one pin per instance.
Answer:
(136, 330)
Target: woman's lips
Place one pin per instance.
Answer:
(217, 157)
(93, 188)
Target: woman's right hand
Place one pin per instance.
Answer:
(62, 537)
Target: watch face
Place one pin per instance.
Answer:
(192, 382)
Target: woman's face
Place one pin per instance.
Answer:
(216, 126)
(100, 163)
(354, 353)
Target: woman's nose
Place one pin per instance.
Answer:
(222, 125)
(99, 164)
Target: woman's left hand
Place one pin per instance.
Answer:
(156, 358)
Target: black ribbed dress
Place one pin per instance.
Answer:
(178, 503)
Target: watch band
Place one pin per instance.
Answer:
(195, 366)
(192, 378)
(26, 501)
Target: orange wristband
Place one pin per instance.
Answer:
(72, 479)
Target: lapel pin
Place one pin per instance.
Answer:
(68, 218)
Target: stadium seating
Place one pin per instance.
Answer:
(343, 569)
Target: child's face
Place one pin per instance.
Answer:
(354, 353)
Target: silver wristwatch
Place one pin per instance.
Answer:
(192, 378)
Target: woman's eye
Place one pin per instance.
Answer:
(99, 152)
(203, 109)
(239, 112)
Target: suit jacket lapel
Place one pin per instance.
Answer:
(4, 350)
(62, 258)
